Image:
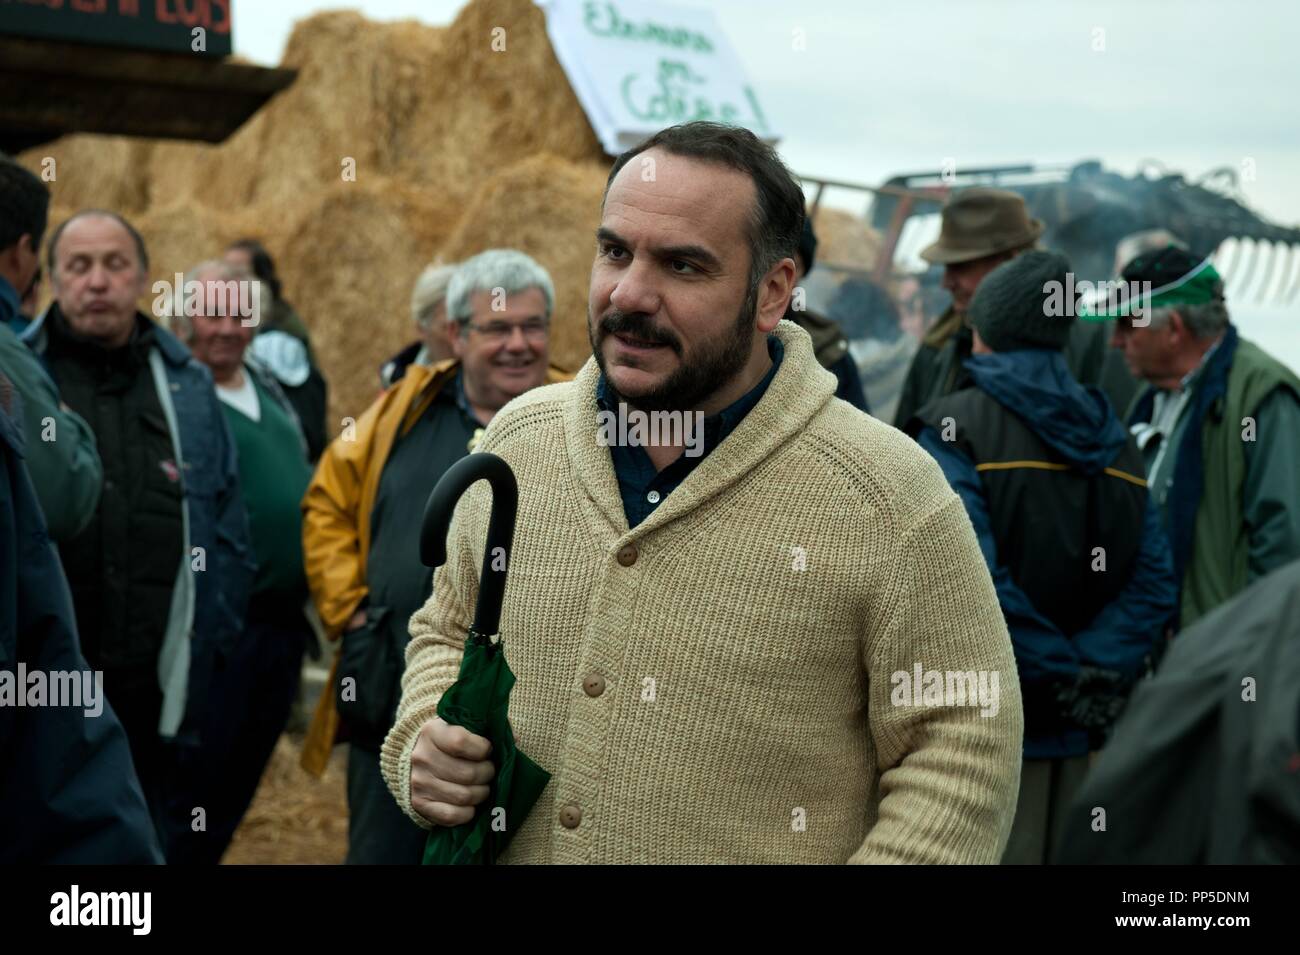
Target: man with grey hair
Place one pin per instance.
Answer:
(363, 510)
(1219, 428)
(491, 296)
(429, 313)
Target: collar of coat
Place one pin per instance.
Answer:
(173, 351)
(945, 326)
(800, 389)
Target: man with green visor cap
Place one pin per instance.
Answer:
(1218, 425)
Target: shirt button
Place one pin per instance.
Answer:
(653, 497)
(594, 685)
(571, 816)
(627, 555)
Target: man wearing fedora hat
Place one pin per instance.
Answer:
(982, 228)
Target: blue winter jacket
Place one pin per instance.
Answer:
(1080, 424)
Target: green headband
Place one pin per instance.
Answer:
(1194, 288)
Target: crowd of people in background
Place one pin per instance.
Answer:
(178, 514)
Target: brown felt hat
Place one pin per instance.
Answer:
(979, 222)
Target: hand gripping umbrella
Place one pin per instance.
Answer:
(480, 697)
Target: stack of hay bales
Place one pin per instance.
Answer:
(845, 239)
(457, 147)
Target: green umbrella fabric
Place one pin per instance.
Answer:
(479, 701)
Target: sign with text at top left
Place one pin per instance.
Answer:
(637, 67)
(199, 27)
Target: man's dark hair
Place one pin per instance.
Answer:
(131, 230)
(776, 222)
(263, 266)
(24, 204)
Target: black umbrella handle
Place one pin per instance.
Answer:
(501, 529)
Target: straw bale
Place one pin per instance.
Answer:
(483, 110)
(348, 262)
(106, 172)
(845, 239)
(457, 147)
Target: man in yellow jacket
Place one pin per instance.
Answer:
(362, 515)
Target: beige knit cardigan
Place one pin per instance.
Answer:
(731, 695)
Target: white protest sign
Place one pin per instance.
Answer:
(637, 67)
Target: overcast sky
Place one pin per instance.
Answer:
(883, 88)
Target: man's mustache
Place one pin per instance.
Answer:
(637, 325)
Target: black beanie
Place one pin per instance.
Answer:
(1012, 310)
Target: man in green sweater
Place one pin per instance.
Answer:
(255, 693)
(750, 623)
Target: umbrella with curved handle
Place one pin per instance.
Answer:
(479, 700)
(501, 529)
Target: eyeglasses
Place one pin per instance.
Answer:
(534, 330)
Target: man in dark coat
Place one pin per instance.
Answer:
(161, 574)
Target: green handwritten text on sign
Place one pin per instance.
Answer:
(673, 96)
(603, 19)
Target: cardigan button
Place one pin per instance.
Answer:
(594, 685)
(627, 555)
(571, 816)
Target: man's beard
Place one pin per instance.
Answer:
(717, 363)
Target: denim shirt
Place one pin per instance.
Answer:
(640, 485)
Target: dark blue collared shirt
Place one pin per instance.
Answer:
(639, 484)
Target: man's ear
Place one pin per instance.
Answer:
(454, 341)
(774, 294)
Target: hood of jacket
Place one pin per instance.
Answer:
(1036, 385)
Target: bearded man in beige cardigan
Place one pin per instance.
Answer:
(758, 629)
